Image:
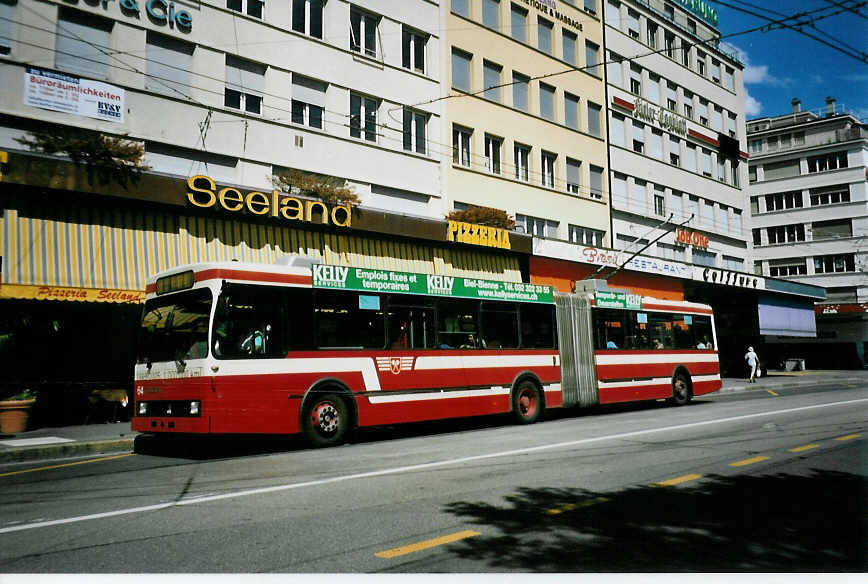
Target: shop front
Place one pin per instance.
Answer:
(74, 265)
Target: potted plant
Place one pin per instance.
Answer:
(15, 411)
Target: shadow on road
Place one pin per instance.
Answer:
(774, 523)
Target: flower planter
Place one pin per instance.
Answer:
(14, 415)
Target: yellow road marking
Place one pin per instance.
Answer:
(805, 447)
(679, 480)
(847, 437)
(771, 392)
(748, 461)
(572, 506)
(424, 545)
(53, 466)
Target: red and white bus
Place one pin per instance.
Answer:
(317, 349)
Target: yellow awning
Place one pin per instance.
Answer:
(29, 292)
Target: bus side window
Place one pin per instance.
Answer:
(499, 325)
(411, 327)
(349, 320)
(457, 325)
(537, 326)
(609, 329)
(249, 322)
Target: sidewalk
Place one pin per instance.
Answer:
(92, 439)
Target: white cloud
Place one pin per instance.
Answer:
(756, 74)
(752, 107)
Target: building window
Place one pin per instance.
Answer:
(245, 84)
(168, 64)
(671, 97)
(632, 24)
(596, 173)
(363, 117)
(250, 7)
(659, 203)
(592, 58)
(669, 43)
(491, 14)
(414, 130)
(733, 263)
(413, 46)
(83, 43)
(705, 156)
(547, 102)
(728, 78)
(717, 118)
(756, 145)
(700, 63)
(595, 127)
(461, 69)
(704, 258)
(307, 17)
(721, 168)
(715, 70)
(491, 79)
(544, 35)
(653, 89)
(787, 267)
(781, 201)
(670, 252)
(616, 136)
(461, 145)
(834, 229)
(591, 6)
(799, 138)
(614, 69)
(308, 101)
(635, 80)
(638, 196)
(690, 158)
(518, 23)
(832, 161)
(832, 196)
(547, 160)
(586, 236)
(835, 263)
(574, 172)
(707, 217)
(520, 85)
(493, 148)
(571, 111)
(613, 14)
(536, 226)
(784, 169)
(674, 151)
(363, 32)
(702, 110)
(685, 53)
(786, 233)
(7, 9)
(656, 144)
(638, 137)
(570, 44)
(461, 7)
(652, 35)
(521, 157)
(688, 111)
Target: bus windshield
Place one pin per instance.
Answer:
(175, 328)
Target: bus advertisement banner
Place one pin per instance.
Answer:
(370, 280)
(606, 299)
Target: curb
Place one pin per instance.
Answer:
(28, 453)
(791, 385)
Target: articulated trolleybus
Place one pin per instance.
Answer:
(318, 349)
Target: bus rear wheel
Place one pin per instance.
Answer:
(527, 403)
(681, 393)
(325, 420)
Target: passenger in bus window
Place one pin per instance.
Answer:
(658, 344)
(611, 345)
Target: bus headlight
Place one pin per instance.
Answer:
(143, 408)
(194, 408)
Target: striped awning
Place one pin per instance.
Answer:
(115, 250)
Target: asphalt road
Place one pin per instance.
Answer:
(754, 482)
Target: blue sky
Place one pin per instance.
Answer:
(782, 64)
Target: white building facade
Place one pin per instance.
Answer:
(241, 89)
(676, 134)
(809, 213)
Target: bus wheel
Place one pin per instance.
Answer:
(527, 403)
(680, 390)
(325, 420)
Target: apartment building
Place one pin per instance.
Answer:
(809, 215)
(524, 101)
(676, 134)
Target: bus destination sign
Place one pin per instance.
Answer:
(368, 280)
(607, 299)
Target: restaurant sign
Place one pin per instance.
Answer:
(477, 234)
(33, 292)
(368, 280)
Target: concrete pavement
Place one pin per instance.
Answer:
(93, 439)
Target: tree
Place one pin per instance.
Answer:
(104, 158)
(329, 189)
(483, 216)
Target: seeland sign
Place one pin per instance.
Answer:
(203, 192)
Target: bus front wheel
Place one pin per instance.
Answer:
(527, 402)
(680, 389)
(325, 420)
